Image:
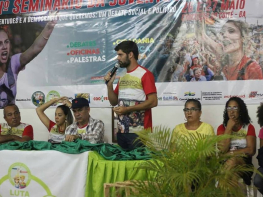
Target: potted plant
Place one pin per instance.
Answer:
(187, 165)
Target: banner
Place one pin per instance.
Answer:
(42, 173)
(217, 43)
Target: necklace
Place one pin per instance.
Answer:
(59, 131)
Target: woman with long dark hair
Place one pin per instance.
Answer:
(63, 118)
(232, 49)
(11, 65)
(238, 123)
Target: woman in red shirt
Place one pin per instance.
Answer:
(237, 123)
(63, 118)
(232, 51)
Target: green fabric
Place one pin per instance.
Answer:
(101, 167)
(101, 171)
(108, 151)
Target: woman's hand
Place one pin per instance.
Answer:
(51, 24)
(231, 123)
(61, 99)
(39, 43)
(65, 101)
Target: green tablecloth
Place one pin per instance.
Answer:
(102, 171)
(108, 151)
(107, 163)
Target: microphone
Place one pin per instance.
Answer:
(113, 71)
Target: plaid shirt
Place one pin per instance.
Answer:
(94, 132)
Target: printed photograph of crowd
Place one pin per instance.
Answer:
(129, 122)
(201, 51)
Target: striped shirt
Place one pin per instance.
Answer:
(93, 132)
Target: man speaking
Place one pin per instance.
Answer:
(135, 93)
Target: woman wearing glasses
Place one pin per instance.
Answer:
(237, 123)
(192, 111)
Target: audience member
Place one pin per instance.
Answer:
(197, 75)
(237, 123)
(196, 64)
(63, 118)
(193, 111)
(258, 180)
(13, 129)
(84, 127)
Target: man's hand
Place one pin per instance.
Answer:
(109, 79)
(15, 137)
(71, 138)
(120, 110)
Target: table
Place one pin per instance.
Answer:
(42, 173)
(52, 173)
(102, 171)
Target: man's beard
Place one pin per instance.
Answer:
(125, 64)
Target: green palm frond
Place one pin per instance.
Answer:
(157, 140)
(180, 162)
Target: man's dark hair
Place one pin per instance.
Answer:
(196, 103)
(127, 47)
(243, 112)
(260, 114)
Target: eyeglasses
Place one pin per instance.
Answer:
(235, 108)
(190, 109)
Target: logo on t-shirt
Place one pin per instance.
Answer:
(129, 123)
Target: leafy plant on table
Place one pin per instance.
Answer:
(187, 166)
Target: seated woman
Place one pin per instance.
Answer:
(63, 118)
(258, 180)
(192, 112)
(237, 123)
